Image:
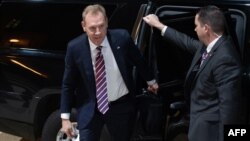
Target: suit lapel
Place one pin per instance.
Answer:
(87, 66)
(196, 61)
(193, 74)
(118, 53)
(211, 53)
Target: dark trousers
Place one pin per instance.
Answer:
(119, 120)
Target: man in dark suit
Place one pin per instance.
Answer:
(213, 82)
(98, 74)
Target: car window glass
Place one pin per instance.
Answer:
(172, 62)
(41, 26)
(236, 26)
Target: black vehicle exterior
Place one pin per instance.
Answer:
(171, 63)
(33, 40)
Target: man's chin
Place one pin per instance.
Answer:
(97, 41)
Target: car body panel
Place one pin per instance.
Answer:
(31, 69)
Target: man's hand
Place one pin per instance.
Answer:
(67, 128)
(153, 20)
(153, 88)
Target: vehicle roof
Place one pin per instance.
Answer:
(78, 1)
(127, 1)
(235, 1)
(204, 1)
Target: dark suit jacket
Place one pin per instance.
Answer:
(214, 88)
(79, 80)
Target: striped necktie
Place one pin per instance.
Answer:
(101, 83)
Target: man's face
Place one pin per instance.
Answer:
(95, 25)
(200, 29)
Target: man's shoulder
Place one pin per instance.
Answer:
(77, 39)
(118, 32)
(76, 42)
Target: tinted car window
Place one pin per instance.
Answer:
(39, 26)
(173, 62)
(50, 26)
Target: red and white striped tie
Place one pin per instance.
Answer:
(101, 83)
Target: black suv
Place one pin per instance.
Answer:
(33, 38)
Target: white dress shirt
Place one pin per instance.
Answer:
(210, 45)
(115, 83)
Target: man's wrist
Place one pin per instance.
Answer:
(65, 115)
(152, 82)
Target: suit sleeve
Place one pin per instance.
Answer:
(182, 40)
(68, 83)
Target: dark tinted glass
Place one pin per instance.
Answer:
(173, 62)
(41, 26)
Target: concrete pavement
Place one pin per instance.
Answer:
(8, 137)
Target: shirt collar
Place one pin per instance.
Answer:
(210, 46)
(103, 44)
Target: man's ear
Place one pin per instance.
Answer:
(83, 26)
(207, 27)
